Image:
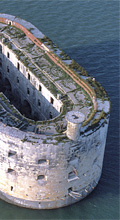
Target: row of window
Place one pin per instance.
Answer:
(29, 77)
(12, 153)
(43, 177)
(28, 91)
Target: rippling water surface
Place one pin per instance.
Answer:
(88, 31)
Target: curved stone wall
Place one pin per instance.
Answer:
(53, 162)
(49, 175)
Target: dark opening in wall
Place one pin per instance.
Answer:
(26, 109)
(39, 104)
(8, 55)
(71, 175)
(28, 76)
(8, 69)
(41, 177)
(11, 170)
(40, 88)
(42, 161)
(0, 48)
(28, 91)
(70, 189)
(0, 75)
(0, 62)
(7, 86)
(17, 79)
(36, 116)
(51, 100)
(11, 153)
(18, 66)
(11, 188)
(51, 115)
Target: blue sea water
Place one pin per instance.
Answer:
(88, 31)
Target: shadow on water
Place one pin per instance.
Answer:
(101, 61)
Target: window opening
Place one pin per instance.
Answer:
(11, 153)
(11, 188)
(41, 177)
(51, 100)
(18, 66)
(39, 104)
(28, 91)
(17, 79)
(40, 88)
(51, 115)
(0, 62)
(8, 55)
(70, 189)
(8, 69)
(0, 48)
(28, 76)
(42, 161)
(10, 170)
(0, 75)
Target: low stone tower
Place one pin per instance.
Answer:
(74, 120)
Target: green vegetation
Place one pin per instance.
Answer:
(24, 139)
(99, 90)
(19, 33)
(75, 66)
(9, 45)
(102, 116)
(61, 138)
(30, 29)
(44, 141)
(89, 118)
(48, 41)
(30, 45)
(18, 53)
(72, 67)
(64, 55)
(96, 122)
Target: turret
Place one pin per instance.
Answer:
(74, 121)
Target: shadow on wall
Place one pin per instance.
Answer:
(22, 94)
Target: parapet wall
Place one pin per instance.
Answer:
(54, 175)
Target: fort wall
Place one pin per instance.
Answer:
(27, 87)
(55, 159)
(45, 175)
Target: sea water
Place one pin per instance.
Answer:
(87, 30)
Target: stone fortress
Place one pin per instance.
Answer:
(53, 121)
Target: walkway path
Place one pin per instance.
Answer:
(56, 60)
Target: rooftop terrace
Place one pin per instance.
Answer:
(40, 56)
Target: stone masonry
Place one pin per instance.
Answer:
(53, 127)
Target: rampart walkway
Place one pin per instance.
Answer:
(56, 60)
